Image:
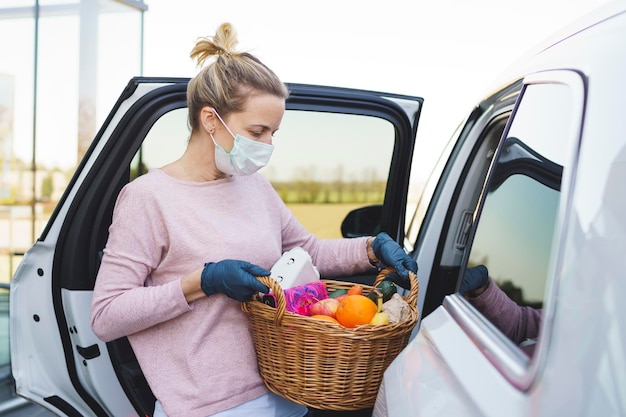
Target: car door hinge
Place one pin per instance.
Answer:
(88, 352)
(464, 228)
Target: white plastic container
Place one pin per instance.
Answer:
(295, 268)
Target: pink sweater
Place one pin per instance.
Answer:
(518, 323)
(198, 358)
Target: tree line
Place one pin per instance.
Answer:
(334, 192)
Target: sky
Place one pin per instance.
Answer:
(446, 51)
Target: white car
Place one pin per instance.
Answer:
(532, 185)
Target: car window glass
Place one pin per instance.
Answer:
(516, 227)
(166, 141)
(323, 166)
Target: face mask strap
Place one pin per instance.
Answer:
(221, 120)
(215, 143)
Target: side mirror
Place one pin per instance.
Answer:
(364, 221)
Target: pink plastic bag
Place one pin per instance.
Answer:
(299, 299)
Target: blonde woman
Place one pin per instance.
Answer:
(188, 239)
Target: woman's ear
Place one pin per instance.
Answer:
(208, 119)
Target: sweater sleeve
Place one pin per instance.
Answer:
(517, 322)
(122, 302)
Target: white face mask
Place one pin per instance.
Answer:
(246, 157)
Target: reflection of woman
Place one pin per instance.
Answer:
(171, 277)
(518, 323)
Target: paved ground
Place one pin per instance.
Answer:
(13, 406)
(31, 410)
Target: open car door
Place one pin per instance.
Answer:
(348, 150)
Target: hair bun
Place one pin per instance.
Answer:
(225, 38)
(223, 43)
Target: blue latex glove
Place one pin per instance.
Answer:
(474, 278)
(391, 254)
(234, 278)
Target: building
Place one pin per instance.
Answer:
(62, 64)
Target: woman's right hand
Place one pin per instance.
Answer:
(236, 279)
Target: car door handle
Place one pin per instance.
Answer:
(88, 352)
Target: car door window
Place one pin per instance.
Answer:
(518, 220)
(324, 164)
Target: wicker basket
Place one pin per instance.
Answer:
(321, 364)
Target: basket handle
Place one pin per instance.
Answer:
(411, 298)
(277, 290)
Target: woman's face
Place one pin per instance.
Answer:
(259, 120)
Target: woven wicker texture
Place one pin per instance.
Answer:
(321, 364)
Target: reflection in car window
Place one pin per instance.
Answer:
(516, 226)
(324, 165)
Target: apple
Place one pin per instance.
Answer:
(326, 307)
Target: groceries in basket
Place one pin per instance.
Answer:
(306, 295)
(351, 308)
(299, 279)
(295, 268)
(299, 299)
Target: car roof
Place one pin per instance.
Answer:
(531, 60)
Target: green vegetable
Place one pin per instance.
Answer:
(387, 288)
(337, 293)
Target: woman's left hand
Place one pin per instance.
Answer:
(391, 254)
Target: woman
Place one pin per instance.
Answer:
(171, 278)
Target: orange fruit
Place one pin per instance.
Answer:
(355, 310)
(356, 289)
(324, 317)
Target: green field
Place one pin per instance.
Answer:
(323, 220)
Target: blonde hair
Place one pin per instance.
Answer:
(227, 83)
